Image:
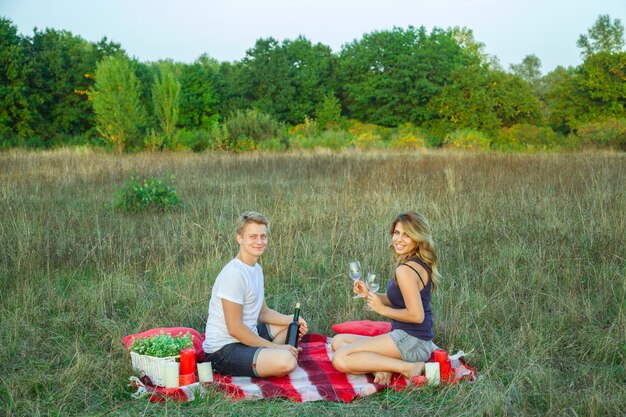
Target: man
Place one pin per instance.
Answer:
(244, 337)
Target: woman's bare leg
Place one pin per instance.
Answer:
(373, 354)
(341, 340)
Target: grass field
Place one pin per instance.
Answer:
(532, 247)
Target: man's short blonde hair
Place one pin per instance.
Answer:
(251, 217)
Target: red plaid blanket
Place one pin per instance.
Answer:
(314, 379)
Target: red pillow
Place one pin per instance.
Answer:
(363, 327)
(174, 331)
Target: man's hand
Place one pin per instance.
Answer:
(304, 328)
(294, 351)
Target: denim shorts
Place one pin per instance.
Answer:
(237, 359)
(412, 349)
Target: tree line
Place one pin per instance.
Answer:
(57, 88)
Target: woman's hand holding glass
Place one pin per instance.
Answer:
(374, 302)
(360, 289)
(372, 283)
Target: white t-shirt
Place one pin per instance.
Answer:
(241, 284)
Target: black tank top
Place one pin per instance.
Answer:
(423, 330)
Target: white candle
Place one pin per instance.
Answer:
(171, 374)
(205, 372)
(432, 373)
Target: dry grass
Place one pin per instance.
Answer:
(532, 250)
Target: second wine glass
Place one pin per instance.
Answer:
(373, 284)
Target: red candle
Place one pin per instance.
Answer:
(187, 379)
(445, 367)
(187, 361)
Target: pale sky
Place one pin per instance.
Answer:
(182, 30)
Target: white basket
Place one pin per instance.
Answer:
(152, 366)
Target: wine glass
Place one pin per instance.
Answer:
(354, 270)
(373, 284)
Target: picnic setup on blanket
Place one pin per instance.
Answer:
(187, 376)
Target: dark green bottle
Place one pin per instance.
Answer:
(294, 328)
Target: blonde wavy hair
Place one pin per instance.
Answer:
(417, 228)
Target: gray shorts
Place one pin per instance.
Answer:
(412, 349)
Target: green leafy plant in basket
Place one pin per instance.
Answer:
(162, 345)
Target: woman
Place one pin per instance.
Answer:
(407, 303)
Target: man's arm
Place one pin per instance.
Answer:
(274, 318)
(269, 316)
(233, 315)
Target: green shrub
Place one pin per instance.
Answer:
(307, 129)
(194, 140)
(154, 141)
(468, 139)
(219, 138)
(138, 194)
(81, 140)
(357, 128)
(243, 144)
(162, 345)
(328, 115)
(9, 141)
(252, 125)
(432, 140)
(331, 139)
(525, 137)
(35, 142)
(275, 144)
(369, 140)
(407, 141)
(607, 133)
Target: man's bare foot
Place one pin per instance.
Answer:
(382, 378)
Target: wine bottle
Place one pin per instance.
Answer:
(294, 328)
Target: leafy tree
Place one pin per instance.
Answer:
(475, 50)
(198, 98)
(329, 113)
(596, 89)
(603, 78)
(311, 71)
(604, 36)
(145, 72)
(252, 125)
(116, 98)
(462, 103)
(16, 111)
(287, 81)
(513, 100)
(389, 77)
(165, 97)
(265, 78)
(562, 98)
(232, 94)
(484, 99)
(62, 73)
(529, 70)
